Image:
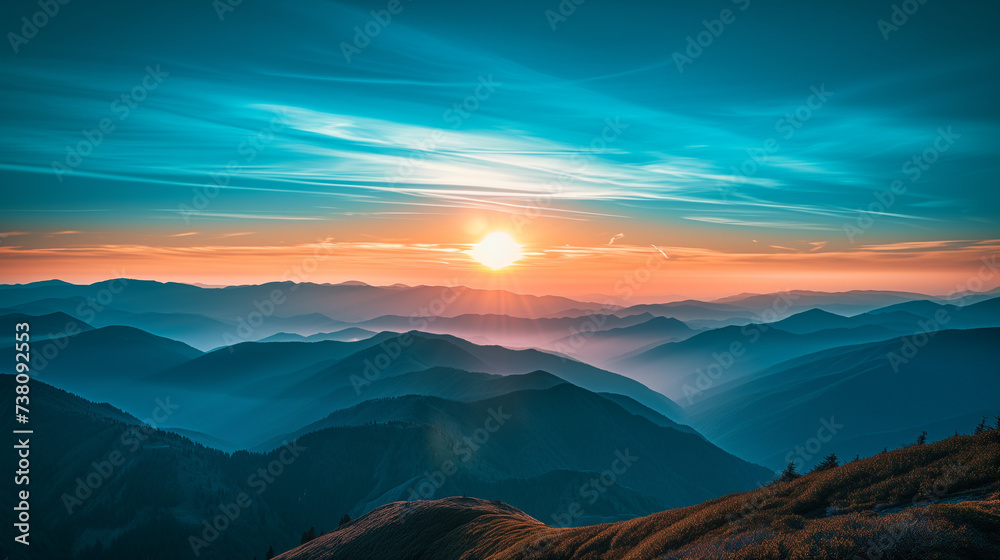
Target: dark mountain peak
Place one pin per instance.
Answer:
(811, 320)
(645, 316)
(447, 370)
(39, 284)
(730, 332)
(736, 297)
(664, 322)
(531, 377)
(135, 282)
(543, 375)
(816, 313)
(44, 325)
(121, 333)
(921, 307)
(59, 402)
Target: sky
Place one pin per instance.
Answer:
(697, 149)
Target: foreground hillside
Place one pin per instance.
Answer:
(934, 502)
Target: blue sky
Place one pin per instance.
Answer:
(459, 108)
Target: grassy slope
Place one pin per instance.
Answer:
(935, 502)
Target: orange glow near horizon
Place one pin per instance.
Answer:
(497, 250)
(621, 271)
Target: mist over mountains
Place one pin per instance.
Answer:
(361, 398)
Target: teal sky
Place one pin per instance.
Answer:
(457, 107)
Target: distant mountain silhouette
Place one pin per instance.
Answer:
(983, 313)
(104, 363)
(813, 320)
(883, 393)
(346, 302)
(194, 329)
(350, 334)
(232, 393)
(504, 329)
(41, 327)
(602, 346)
(690, 310)
(687, 369)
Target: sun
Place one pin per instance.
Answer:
(496, 250)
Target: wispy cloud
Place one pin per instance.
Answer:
(919, 245)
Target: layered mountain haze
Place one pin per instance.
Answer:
(686, 369)
(602, 346)
(102, 363)
(349, 301)
(507, 330)
(532, 447)
(54, 325)
(845, 303)
(350, 334)
(227, 393)
(534, 420)
(940, 382)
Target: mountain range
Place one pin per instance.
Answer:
(542, 449)
(900, 504)
(322, 403)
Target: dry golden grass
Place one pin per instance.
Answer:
(931, 502)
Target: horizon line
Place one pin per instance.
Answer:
(400, 285)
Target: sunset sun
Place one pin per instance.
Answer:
(496, 250)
